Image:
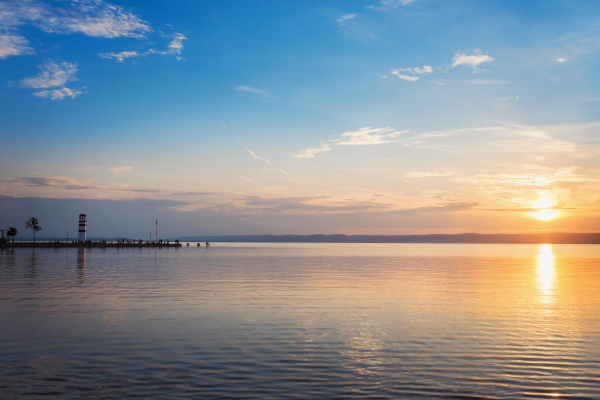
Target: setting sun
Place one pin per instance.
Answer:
(545, 215)
(544, 208)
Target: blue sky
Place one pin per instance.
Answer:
(301, 117)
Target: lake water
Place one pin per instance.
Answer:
(262, 321)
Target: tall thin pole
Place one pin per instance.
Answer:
(156, 237)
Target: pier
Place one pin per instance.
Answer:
(89, 245)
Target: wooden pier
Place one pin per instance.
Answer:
(102, 245)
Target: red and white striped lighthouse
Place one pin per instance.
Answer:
(82, 227)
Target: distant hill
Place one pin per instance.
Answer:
(531, 238)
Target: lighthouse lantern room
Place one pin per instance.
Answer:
(82, 228)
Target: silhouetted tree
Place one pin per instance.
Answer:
(33, 224)
(12, 232)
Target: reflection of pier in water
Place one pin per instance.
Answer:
(81, 254)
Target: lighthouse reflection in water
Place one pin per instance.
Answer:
(81, 254)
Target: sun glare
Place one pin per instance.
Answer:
(546, 271)
(545, 215)
(544, 209)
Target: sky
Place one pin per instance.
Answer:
(300, 117)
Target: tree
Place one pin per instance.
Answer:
(33, 224)
(12, 232)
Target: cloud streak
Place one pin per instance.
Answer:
(397, 72)
(120, 56)
(346, 17)
(363, 136)
(52, 74)
(117, 168)
(472, 60)
(252, 90)
(254, 154)
(58, 94)
(313, 151)
(91, 17)
(176, 44)
(386, 5)
(427, 174)
(368, 135)
(174, 48)
(66, 183)
(14, 45)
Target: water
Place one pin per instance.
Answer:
(264, 321)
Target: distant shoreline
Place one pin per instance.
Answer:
(516, 238)
(527, 238)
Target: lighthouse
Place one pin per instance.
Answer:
(82, 227)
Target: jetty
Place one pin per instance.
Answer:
(89, 245)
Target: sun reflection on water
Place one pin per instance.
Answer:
(546, 272)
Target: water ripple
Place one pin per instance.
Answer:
(301, 321)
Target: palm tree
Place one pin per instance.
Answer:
(12, 232)
(33, 224)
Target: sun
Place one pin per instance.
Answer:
(545, 211)
(545, 215)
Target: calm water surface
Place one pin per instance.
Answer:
(263, 321)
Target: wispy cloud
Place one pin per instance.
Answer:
(477, 81)
(192, 193)
(174, 48)
(254, 154)
(413, 71)
(66, 183)
(312, 204)
(561, 60)
(90, 17)
(59, 94)
(405, 77)
(52, 74)
(507, 179)
(515, 139)
(418, 71)
(279, 169)
(385, 5)
(427, 174)
(472, 60)
(363, 136)
(117, 168)
(365, 27)
(120, 56)
(369, 135)
(176, 44)
(346, 17)
(252, 90)
(14, 45)
(311, 152)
